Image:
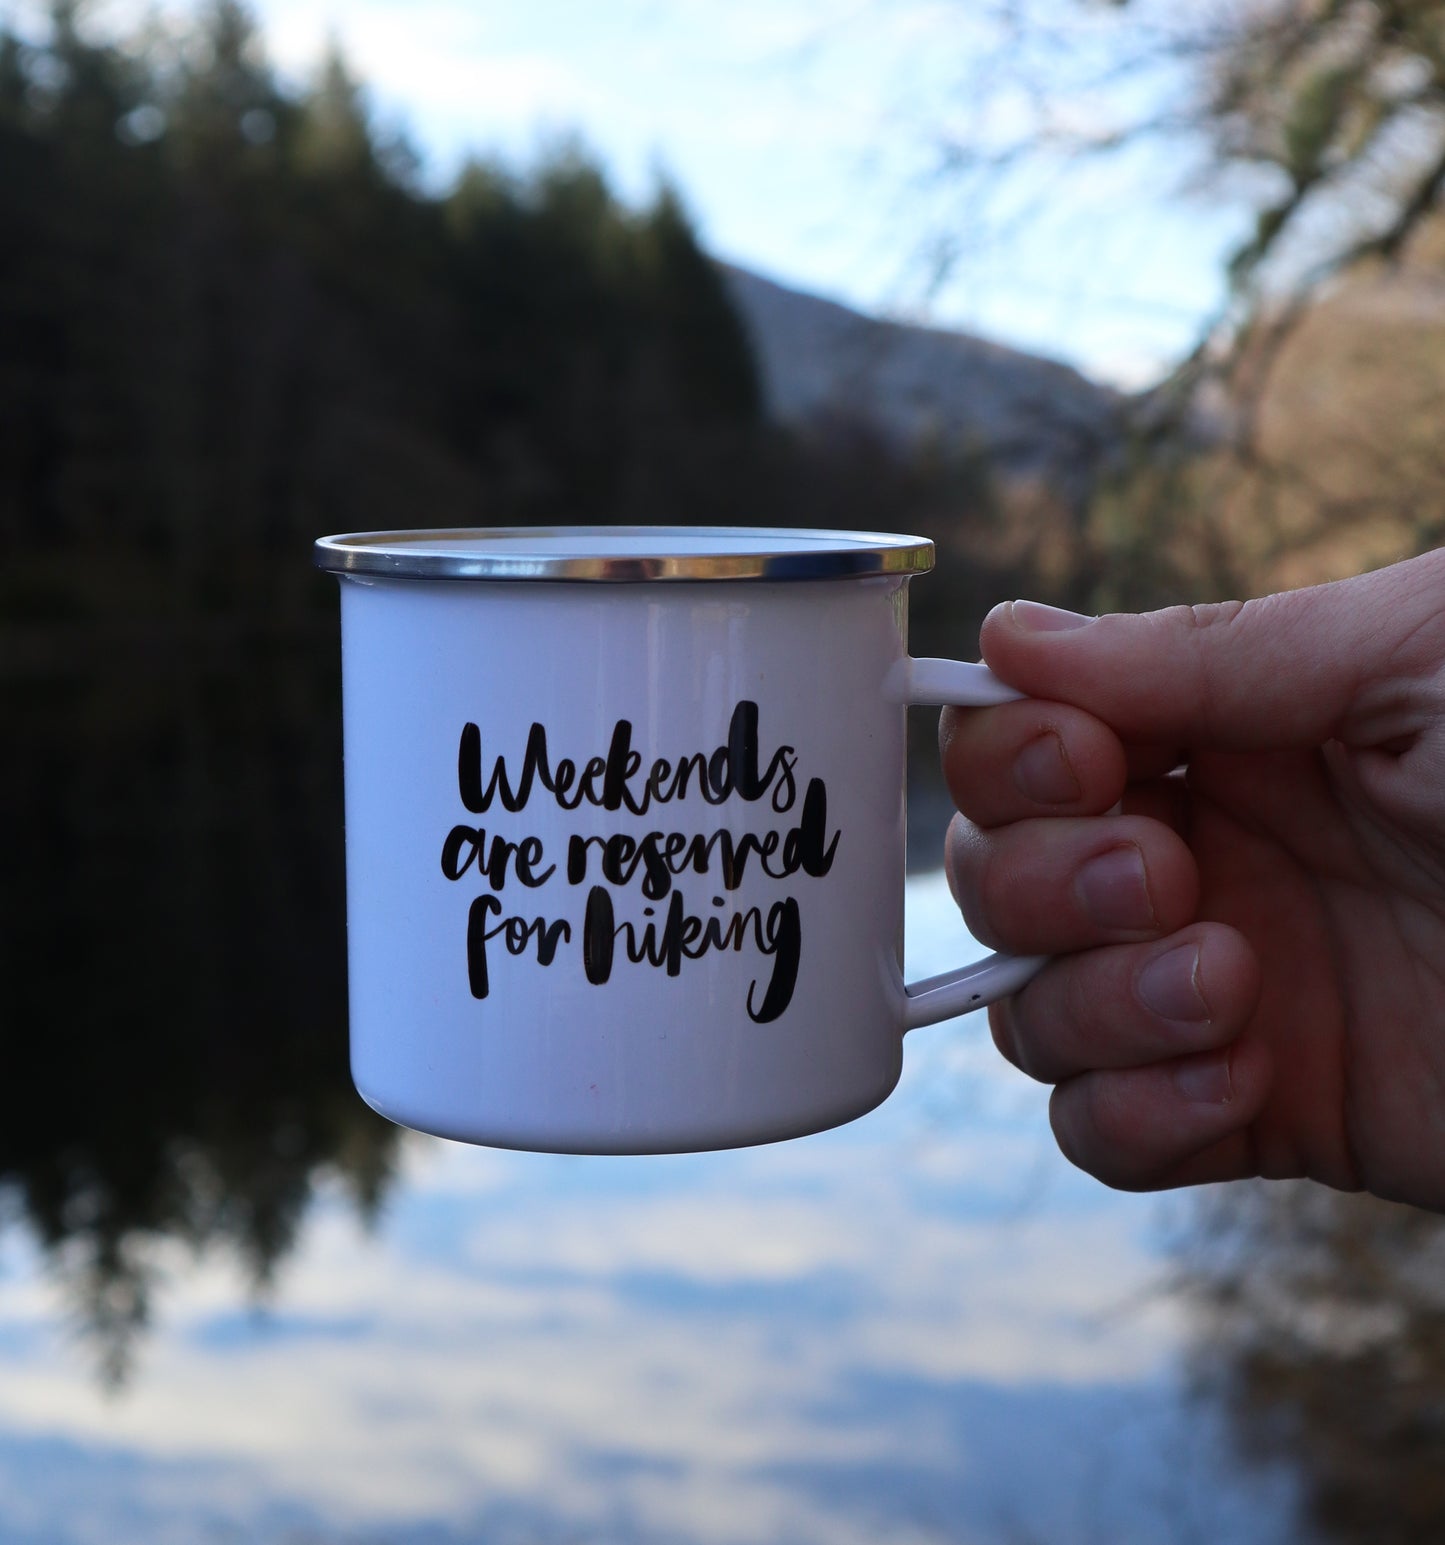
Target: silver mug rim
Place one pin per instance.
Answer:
(592, 554)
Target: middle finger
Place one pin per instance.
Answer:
(1046, 886)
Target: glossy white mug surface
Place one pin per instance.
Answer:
(625, 815)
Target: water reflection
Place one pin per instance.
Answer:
(171, 941)
(849, 1339)
(921, 1328)
(1320, 1328)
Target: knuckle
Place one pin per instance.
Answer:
(1064, 1121)
(1202, 665)
(1108, 1117)
(1004, 1030)
(975, 882)
(963, 775)
(1078, 1005)
(1041, 1018)
(1093, 1132)
(1212, 614)
(992, 919)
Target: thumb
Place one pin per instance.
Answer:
(1350, 661)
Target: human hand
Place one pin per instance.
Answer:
(1250, 954)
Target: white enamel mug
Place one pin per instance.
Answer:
(625, 816)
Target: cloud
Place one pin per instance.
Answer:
(673, 1350)
(443, 67)
(676, 1349)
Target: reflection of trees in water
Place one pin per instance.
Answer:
(234, 320)
(1321, 1328)
(172, 944)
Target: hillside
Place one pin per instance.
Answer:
(821, 363)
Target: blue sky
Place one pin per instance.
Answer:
(803, 134)
(804, 137)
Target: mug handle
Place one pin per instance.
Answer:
(957, 684)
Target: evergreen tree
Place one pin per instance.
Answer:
(230, 321)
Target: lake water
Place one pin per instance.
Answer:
(923, 1327)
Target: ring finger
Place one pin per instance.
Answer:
(1130, 1005)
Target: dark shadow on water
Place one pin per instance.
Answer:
(1319, 1329)
(172, 942)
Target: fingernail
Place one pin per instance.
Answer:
(1114, 890)
(1205, 1080)
(1042, 772)
(1169, 985)
(1035, 617)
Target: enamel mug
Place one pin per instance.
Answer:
(625, 818)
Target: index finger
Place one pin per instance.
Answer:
(1030, 758)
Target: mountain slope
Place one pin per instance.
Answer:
(822, 363)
